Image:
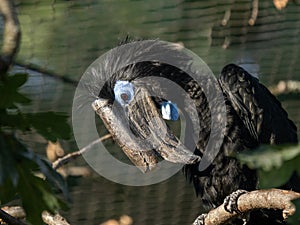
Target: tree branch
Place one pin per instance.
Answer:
(254, 13)
(54, 219)
(71, 156)
(11, 36)
(260, 199)
(11, 215)
(10, 219)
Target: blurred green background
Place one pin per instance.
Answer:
(63, 37)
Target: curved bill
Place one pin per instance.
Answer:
(142, 133)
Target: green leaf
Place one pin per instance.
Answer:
(54, 178)
(37, 196)
(8, 162)
(9, 91)
(15, 120)
(51, 125)
(269, 157)
(275, 164)
(16, 173)
(7, 191)
(278, 176)
(17, 80)
(20, 98)
(17, 163)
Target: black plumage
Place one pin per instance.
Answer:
(254, 117)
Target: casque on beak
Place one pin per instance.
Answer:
(142, 133)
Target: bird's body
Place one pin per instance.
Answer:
(244, 97)
(254, 117)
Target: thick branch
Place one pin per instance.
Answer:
(71, 156)
(260, 199)
(11, 215)
(12, 34)
(54, 219)
(9, 219)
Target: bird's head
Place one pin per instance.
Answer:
(135, 105)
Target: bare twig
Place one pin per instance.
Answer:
(254, 13)
(226, 17)
(260, 199)
(71, 156)
(9, 219)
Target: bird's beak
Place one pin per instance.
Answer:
(142, 133)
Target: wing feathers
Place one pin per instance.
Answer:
(259, 110)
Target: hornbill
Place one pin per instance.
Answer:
(253, 116)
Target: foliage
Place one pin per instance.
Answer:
(49, 124)
(275, 166)
(18, 165)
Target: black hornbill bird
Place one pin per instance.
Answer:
(253, 117)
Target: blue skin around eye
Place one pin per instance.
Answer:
(123, 87)
(173, 114)
(168, 108)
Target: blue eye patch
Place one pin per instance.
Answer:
(123, 92)
(169, 111)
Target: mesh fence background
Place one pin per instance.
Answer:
(61, 38)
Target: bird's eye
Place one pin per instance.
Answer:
(123, 92)
(169, 111)
(124, 97)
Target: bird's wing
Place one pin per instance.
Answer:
(259, 110)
